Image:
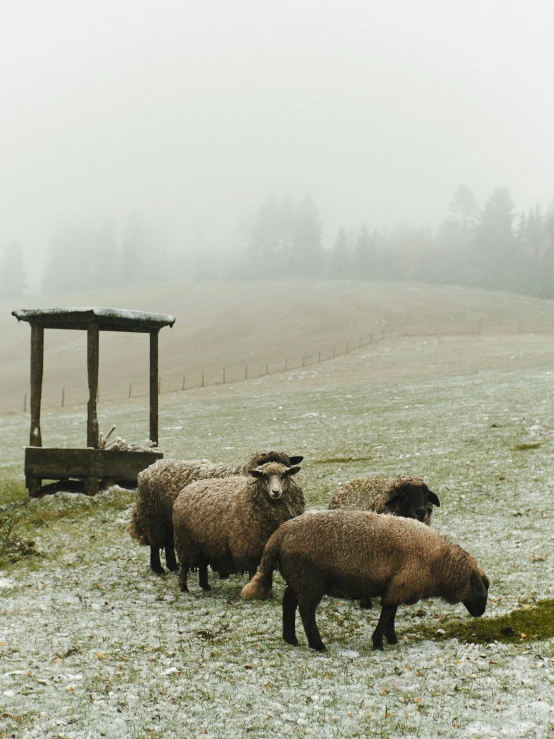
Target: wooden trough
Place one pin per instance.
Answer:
(85, 469)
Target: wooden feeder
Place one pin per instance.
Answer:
(84, 469)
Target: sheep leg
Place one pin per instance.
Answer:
(390, 633)
(203, 576)
(290, 604)
(170, 560)
(183, 577)
(155, 564)
(307, 614)
(377, 637)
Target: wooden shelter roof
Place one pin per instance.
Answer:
(107, 319)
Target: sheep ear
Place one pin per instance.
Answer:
(477, 585)
(295, 460)
(256, 473)
(433, 498)
(291, 471)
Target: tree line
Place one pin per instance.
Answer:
(491, 246)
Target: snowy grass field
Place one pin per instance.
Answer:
(94, 645)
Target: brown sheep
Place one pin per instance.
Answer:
(160, 484)
(357, 554)
(225, 523)
(405, 496)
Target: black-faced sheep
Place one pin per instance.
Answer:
(225, 523)
(160, 484)
(357, 554)
(408, 497)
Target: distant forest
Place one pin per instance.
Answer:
(493, 246)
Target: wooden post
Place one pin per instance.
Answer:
(37, 360)
(183, 382)
(319, 356)
(246, 372)
(63, 397)
(130, 388)
(154, 386)
(25, 403)
(267, 368)
(93, 356)
(224, 376)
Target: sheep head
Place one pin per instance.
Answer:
(411, 498)
(476, 599)
(273, 479)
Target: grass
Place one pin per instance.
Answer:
(177, 665)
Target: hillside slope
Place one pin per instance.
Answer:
(265, 324)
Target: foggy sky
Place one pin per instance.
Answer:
(194, 113)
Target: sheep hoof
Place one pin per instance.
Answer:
(173, 568)
(392, 639)
(183, 588)
(206, 587)
(158, 571)
(293, 641)
(378, 646)
(319, 647)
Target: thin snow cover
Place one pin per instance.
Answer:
(93, 644)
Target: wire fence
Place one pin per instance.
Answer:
(204, 375)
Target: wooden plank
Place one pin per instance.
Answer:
(37, 361)
(59, 464)
(154, 374)
(93, 358)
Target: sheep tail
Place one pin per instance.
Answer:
(135, 529)
(261, 583)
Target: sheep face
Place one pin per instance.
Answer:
(273, 478)
(412, 500)
(476, 600)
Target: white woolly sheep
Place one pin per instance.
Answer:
(357, 554)
(226, 522)
(160, 484)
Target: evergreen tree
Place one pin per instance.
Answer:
(13, 283)
(365, 261)
(307, 256)
(340, 264)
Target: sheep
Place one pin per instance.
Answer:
(405, 496)
(226, 522)
(408, 497)
(160, 484)
(353, 554)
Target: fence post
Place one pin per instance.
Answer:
(347, 347)
(435, 329)
(246, 371)
(286, 364)
(303, 360)
(25, 403)
(202, 377)
(334, 351)
(383, 332)
(319, 356)
(267, 368)
(159, 385)
(130, 388)
(224, 376)
(371, 338)
(479, 328)
(183, 382)
(359, 342)
(63, 397)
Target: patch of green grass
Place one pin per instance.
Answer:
(12, 489)
(530, 623)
